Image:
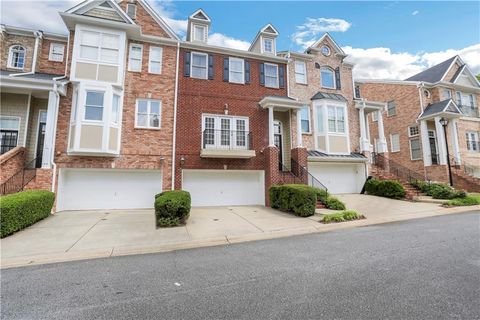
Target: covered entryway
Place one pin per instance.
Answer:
(339, 177)
(91, 189)
(224, 187)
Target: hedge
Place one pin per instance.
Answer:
(172, 208)
(333, 203)
(443, 191)
(385, 188)
(301, 200)
(22, 209)
(342, 216)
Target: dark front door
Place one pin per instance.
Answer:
(40, 142)
(278, 142)
(433, 146)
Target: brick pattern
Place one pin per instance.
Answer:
(44, 65)
(42, 180)
(145, 21)
(9, 40)
(11, 162)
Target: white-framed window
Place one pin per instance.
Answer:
(375, 116)
(225, 132)
(446, 94)
(459, 98)
(391, 108)
(472, 140)
(98, 46)
(199, 65)
(198, 33)
(9, 129)
(415, 149)
(305, 119)
(268, 45)
(413, 131)
(16, 57)
(271, 75)
(395, 142)
(135, 57)
(471, 99)
(132, 10)
(300, 72)
(115, 109)
(155, 60)
(327, 77)
(94, 104)
(56, 52)
(236, 70)
(148, 114)
(336, 119)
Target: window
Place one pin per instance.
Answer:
(236, 70)
(199, 65)
(155, 60)
(271, 75)
(473, 143)
(395, 142)
(132, 10)
(300, 72)
(225, 132)
(148, 114)
(268, 45)
(415, 149)
(336, 119)
(56, 52)
(16, 57)
(413, 131)
(375, 116)
(98, 46)
(391, 109)
(305, 119)
(327, 77)
(471, 98)
(446, 94)
(94, 106)
(198, 33)
(135, 61)
(459, 98)
(9, 127)
(115, 109)
(325, 51)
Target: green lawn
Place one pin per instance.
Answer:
(470, 200)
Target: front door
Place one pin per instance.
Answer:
(277, 129)
(433, 146)
(41, 138)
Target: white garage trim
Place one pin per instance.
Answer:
(224, 187)
(339, 177)
(98, 189)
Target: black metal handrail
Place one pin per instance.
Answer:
(19, 179)
(402, 172)
(302, 173)
(226, 139)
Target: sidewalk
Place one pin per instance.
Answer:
(68, 236)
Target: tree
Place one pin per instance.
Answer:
(478, 77)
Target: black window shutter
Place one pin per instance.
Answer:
(281, 76)
(225, 69)
(357, 91)
(247, 71)
(186, 64)
(262, 74)
(337, 78)
(211, 68)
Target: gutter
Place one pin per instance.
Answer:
(174, 138)
(52, 157)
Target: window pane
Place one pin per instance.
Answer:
(155, 54)
(327, 78)
(236, 65)
(154, 121)
(9, 124)
(209, 134)
(115, 107)
(155, 107)
(88, 53)
(331, 119)
(135, 65)
(236, 77)
(225, 132)
(198, 72)
(93, 113)
(198, 33)
(154, 67)
(94, 98)
(320, 119)
(142, 120)
(109, 55)
(270, 70)
(142, 106)
(136, 52)
(268, 45)
(110, 41)
(199, 60)
(305, 119)
(90, 38)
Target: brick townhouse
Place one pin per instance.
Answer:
(413, 117)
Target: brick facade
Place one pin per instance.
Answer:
(44, 64)
(11, 162)
(8, 40)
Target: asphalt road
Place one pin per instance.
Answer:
(420, 269)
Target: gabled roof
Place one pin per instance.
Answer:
(435, 73)
(200, 15)
(91, 8)
(465, 70)
(268, 29)
(325, 95)
(158, 19)
(445, 106)
(319, 41)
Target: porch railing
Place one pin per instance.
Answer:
(226, 139)
(20, 179)
(400, 171)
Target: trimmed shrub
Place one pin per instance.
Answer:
(301, 200)
(22, 209)
(469, 200)
(444, 191)
(342, 216)
(385, 188)
(421, 185)
(172, 208)
(334, 204)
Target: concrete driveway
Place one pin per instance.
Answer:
(72, 235)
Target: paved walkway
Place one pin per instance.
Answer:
(91, 234)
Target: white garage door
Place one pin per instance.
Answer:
(223, 188)
(89, 189)
(339, 177)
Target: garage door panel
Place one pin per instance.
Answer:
(338, 177)
(213, 188)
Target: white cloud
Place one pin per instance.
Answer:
(221, 40)
(382, 63)
(309, 31)
(414, 13)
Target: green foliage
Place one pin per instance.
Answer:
(478, 77)
(444, 191)
(385, 188)
(342, 216)
(172, 208)
(334, 204)
(421, 185)
(301, 200)
(22, 209)
(469, 200)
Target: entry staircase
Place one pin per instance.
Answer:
(19, 179)
(464, 175)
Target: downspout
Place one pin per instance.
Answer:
(38, 36)
(174, 138)
(420, 87)
(52, 156)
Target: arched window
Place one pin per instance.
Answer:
(16, 57)
(327, 77)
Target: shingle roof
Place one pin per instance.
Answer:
(438, 107)
(325, 95)
(353, 155)
(37, 75)
(433, 74)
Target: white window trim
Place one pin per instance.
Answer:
(337, 132)
(391, 142)
(51, 57)
(134, 16)
(278, 75)
(101, 33)
(130, 57)
(309, 120)
(18, 128)
(304, 74)
(230, 59)
(394, 108)
(334, 78)
(233, 127)
(477, 139)
(196, 25)
(206, 65)
(148, 127)
(375, 116)
(150, 60)
(273, 45)
(420, 157)
(86, 90)
(414, 135)
(10, 57)
(40, 111)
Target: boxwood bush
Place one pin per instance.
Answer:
(172, 208)
(444, 191)
(301, 200)
(385, 188)
(334, 203)
(22, 209)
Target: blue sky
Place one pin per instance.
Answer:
(393, 39)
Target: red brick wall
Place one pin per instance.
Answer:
(11, 162)
(46, 66)
(145, 21)
(42, 180)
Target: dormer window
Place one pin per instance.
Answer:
(132, 10)
(16, 57)
(198, 33)
(268, 45)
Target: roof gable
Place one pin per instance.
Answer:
(326, 37)
(465, 77)
(436, 109)
(158, 20)
(101, 9)
(200, 15)
(435, 73)
(269, 28)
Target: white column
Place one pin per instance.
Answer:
(271, 140)
(454, 138)
(382, 141)
(442, 151)
(426, 151)
(49, 130)
(299, 129)
(363, 129)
